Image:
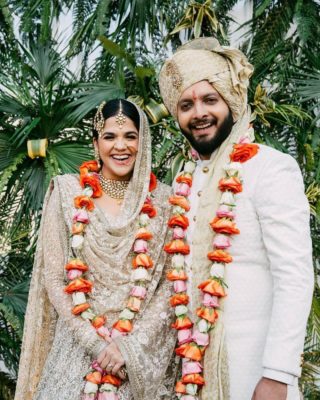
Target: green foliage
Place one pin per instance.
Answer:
(311, 370)
(15, 269)
(43, 102)
(195, 16)
(309, 86)
(7, 386)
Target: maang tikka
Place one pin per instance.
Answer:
(98, 120)
(120, 117)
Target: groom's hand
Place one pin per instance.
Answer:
(268, 389)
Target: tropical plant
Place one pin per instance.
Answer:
(7, 386)
(42, 134)
(15, 267)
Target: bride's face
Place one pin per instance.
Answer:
(118, 147)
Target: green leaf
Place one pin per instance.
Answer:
(143, 72)
(7, 173)
(262, 7)
(51, 165)
(180, 27)
(21, 134)
(90, 97)
(198, 23)
(7, 386)
(70, 155)
(214, 23)
(117, 51)
(11, 319)
(271, 141)
(164, 149)
(309, 86)
(81, 35)
(16, 298)
(33, 181)
(177, 164)
(310, 162)
(102, 15)
(11, 105)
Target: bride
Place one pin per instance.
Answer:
(98, 320)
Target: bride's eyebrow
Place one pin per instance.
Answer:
(126, 133)
(108, 133)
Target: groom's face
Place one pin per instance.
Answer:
(204, 118)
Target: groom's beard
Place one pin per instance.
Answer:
(207, 147)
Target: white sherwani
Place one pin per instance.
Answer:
(270, 280)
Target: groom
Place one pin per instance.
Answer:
(255, 348)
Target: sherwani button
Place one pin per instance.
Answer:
(205, 169)
(199, 193)
(194, 218)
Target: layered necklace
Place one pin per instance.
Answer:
(113, 188)
(193, 334)
(97, 380)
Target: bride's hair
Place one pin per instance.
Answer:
(112, 108)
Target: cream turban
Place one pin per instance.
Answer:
(227, 69)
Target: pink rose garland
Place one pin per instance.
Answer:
(99, 384)
(194, 339)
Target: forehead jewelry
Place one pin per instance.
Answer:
(98, 120)
(120, 118)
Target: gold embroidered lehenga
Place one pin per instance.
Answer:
(59, 347)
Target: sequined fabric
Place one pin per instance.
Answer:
(59, 347)
(149, 348)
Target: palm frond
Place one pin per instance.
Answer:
(89, 97)
(309, 86)
(70, 155)
(7, 386)
(11, 319)
(307, 20)
(270, 33)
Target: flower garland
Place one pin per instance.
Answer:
(99, 384)
(194, 339)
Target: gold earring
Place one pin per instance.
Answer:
(97, 157)
(98, 120)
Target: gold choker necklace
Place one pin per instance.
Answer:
(113, 188)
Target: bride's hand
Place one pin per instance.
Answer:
(111, 360)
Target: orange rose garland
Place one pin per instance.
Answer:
(231, 183)
(88, 166)
(143, 234)
(193, 338)
(177, 246)
(97, 380)
(224, 225)
(180, 201)
(153, 182)
(242, 152)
